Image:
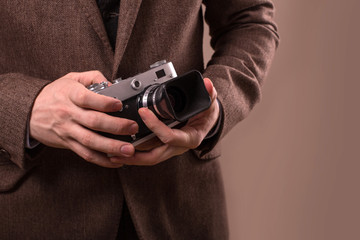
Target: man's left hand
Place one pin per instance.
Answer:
(175, 141)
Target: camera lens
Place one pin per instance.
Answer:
(164, 102)
(177, 99)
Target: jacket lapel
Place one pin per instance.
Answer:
(127, 17)
(91, 10)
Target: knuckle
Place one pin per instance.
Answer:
(168, 138)
(97, 74)
(87, 156)
(71, 75)
(117, 125)
(63, 113)
(194, 145)
(92, 120)
(114, 148)
(196, 141)
(86, 139)
(81, 97)
(119, 129)
(61, 129)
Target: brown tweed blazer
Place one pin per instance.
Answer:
(50, 193)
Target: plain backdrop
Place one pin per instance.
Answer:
(291, 169)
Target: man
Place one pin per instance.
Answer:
(77, 184)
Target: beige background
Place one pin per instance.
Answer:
(291, 169)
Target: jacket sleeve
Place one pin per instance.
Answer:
(244, 37)
(17, 94)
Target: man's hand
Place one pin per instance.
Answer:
(65, 111)
(175, 141)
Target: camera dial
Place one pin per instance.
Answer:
(135, 84)
(96, 87)
(157, 64)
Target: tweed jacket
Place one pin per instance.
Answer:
(49, 193)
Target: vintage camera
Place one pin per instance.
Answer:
(174, 99)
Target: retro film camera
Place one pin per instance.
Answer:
(174, 99)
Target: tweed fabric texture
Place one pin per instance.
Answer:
(52, 193)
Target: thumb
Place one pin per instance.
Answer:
(210, 88)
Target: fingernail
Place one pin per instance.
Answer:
(127, 149)
(134, 128)
(142, 113)
(117, 106)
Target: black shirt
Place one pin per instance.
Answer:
(109, 10)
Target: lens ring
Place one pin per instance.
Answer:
(146, 95)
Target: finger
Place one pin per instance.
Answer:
(92, 156)
(100, 143)
(168, 135)
(103, 122)
(204, 121)
(152, 157)
(87, 78)
(85, 98)
(155, 125)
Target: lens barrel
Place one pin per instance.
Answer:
(179, 98)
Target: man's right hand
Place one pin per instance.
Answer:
(65, 111)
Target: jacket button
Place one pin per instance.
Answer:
(4, 154)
